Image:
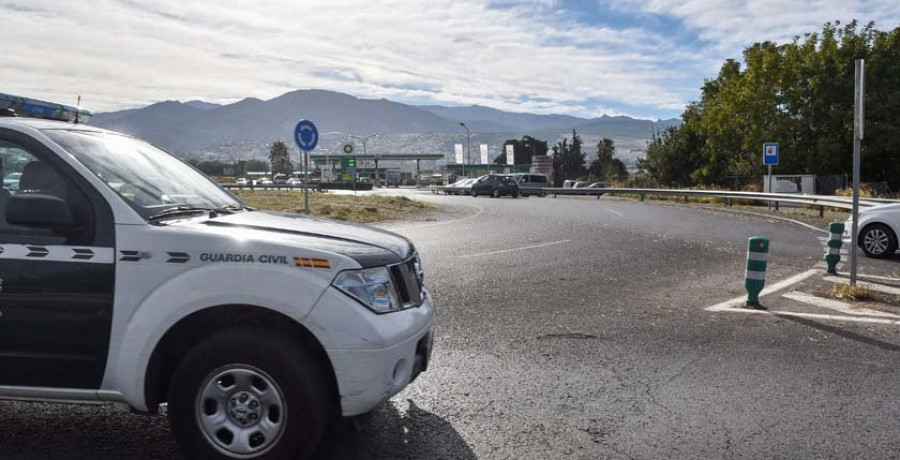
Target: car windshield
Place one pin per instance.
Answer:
(148, 178)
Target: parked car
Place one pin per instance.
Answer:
(879, 227)
(581, 184)
(460, 187)
(569, 183)
(496, 186)
(294, 182)
(242, 182)
(531, 184)
(280, 179)
(264, 181)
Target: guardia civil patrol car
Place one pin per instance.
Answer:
(128, 276)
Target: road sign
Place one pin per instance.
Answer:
(770, 154)
(484, 154)
(306, 135)
(457, 149)
(348, 148)
(510, 155)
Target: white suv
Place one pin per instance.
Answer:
(127, 276)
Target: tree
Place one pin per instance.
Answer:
(568, 160)
(523, 150)
(280, 158)
(602, 166)
(799, 94)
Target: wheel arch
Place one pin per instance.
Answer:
(202, 324)
(863, 228)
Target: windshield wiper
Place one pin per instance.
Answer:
(174, 211)
(232, 208)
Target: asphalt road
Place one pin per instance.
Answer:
(574, 328)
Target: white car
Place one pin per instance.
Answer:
(255, 328)
(294, 182)
(242, 182)
(879, 227)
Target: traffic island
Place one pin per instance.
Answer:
(351, 208)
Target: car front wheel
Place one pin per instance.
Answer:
(878, 241)
(495, 193)
(248, 394)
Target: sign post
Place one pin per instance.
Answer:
(859, 112)
(770, 158)
(307, 138)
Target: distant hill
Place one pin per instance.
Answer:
(244, 128)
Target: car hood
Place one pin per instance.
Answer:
(890, 208)
(370, 247)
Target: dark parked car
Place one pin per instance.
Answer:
(495, 186)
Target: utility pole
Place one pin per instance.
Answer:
(859, 112)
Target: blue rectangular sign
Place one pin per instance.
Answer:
(770, 154)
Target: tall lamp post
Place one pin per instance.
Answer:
(468, 149)
(365, 139)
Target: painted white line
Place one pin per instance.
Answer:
(804, 224)
(738, 301)
(874, 277)
(614, 212)
(854, 319)
(542, 245)
(836, 305)
(873, 286)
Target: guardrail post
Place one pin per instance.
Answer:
(730, 202)
(835, 241)
(642, 197)
(821, 211)
(755, 276)
(776, 205)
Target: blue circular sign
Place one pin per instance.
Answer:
(306, 135)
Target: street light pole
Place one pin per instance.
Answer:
(468, 149)
(365, 139)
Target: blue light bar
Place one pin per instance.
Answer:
(33, 108)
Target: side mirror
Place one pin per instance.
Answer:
(43, 211)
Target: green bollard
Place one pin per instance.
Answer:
(835, 241)
(755, 278)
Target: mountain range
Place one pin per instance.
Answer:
(198, 128)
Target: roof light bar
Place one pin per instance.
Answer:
(33, 108)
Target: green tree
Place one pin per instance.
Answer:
(799, 94)
(280, 158)
(523, 150)
(568, 160)
(602, 166)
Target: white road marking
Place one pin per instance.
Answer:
(542, 245)
(738, 301)
(804, 224)
(855, 319)
(872, 286)
(836, 305)
(614, 212)
(874, 277)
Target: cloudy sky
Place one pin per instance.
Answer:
(642, 58)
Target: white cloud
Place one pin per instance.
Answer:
(525, 55)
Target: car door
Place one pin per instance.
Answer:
(56, 290)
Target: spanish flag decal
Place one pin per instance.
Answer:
(306, 262)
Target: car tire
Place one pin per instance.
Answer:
(276, 391)
(515, 195)
(878, 241)
(495, 193)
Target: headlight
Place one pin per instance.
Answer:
(372, 286)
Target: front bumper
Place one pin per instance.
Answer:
(373, 356)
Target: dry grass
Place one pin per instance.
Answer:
(359, 208)
(855, 293)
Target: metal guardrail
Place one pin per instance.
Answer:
(822, 201)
